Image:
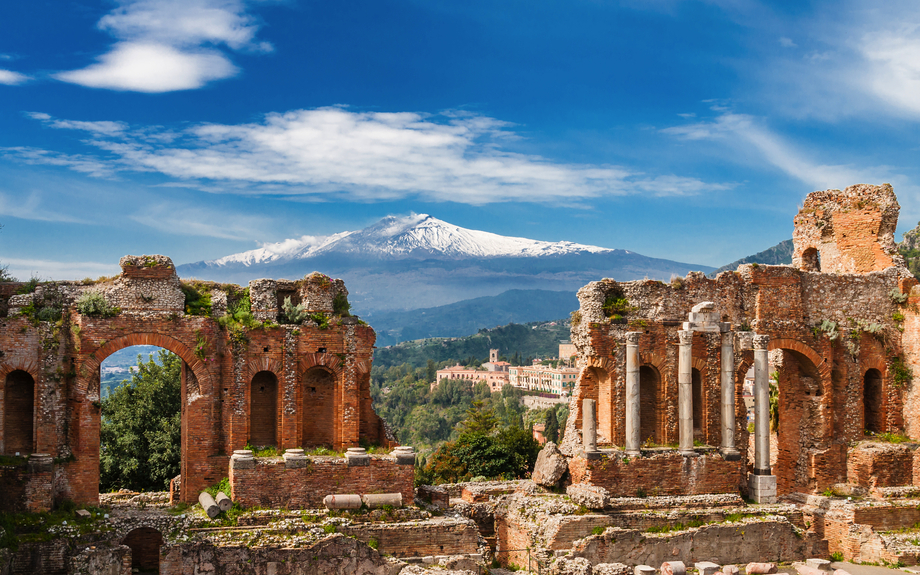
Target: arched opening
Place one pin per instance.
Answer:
(318, 409)
(145, 544)
(811, 260)
(697, 385)
(19, 413)
(140, 429)
(872, 401)
(649, 384)
(263, 409)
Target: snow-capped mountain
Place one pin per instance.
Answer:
(420, 261)
(418, 235)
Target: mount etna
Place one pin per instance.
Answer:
(418, 261)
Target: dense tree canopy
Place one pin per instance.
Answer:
(141, 427)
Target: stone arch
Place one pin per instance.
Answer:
(263, 409)
(145, 543)
(650, 387)
(822, 366)
(19, 425)
(90, 365)
(320, 392)
(601, 372)
(327, 360)
(811, 260)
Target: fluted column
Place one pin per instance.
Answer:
(761, 405)
(728, 449)
(633, 436)
(685, 391)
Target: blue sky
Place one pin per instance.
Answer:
(675, 128)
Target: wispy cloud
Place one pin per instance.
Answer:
(31, 207)
(167, 45)
(11, 78)
(186, 221)
(79, 163)
(748, 131)
(49, 269)
(787, 42)
(365, 156)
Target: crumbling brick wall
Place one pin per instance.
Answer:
(219, 364)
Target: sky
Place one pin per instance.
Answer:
(681, 129)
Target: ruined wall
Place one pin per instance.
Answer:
(151, 307)
(847, 232)
(439, 536)
(275, 483)
(828, 332)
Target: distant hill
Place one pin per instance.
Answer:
(538, 339)
(780, 254)
(466, 317)
(418, 261)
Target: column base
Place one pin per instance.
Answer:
(633, 452)
(762, 488)
(689, 453)
(592, 455)
(730, 453)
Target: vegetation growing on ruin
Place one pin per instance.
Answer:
(901, 373)
(94, 304)
(615, 304)
(141, 427)
(63, 522)
(340, 305)
(291, 313)
(197, 298)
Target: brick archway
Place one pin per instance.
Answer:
(823, 367)
(91, 364)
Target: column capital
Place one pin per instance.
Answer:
(632, 337)
(728, 338)
(685, 336)
(761, 341)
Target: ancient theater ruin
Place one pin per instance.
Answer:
(266, 383)
(659, 463)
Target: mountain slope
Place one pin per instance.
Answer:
(468, 316)
(780, 254)
(417, 261)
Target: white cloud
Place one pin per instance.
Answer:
(11, 78)
(787, 42)
(54, 270)
(334, 152)
(895, 70)
(168, 45)
(103, 128)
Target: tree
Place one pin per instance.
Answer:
(551, 431)
(141, 427)
(432, 370)
(479, 419)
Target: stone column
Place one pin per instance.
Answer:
(685, 391)
(633, 436)
(761, 405)
(761, 484)
(728, 449)
(589, 427)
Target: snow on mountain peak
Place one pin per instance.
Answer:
(402, 236)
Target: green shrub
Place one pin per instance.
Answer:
(94, 304)
(340, 305)
(291, 313)
(197, 298)
(373, 543)
(837, 556)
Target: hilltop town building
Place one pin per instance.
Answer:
(543, 378)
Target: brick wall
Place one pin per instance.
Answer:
(434, 537)
(880, 465)
(271, 483)
(663, 473)
(26, 488)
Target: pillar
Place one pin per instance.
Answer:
(728, 449)
(685, 391)
(589, 427)
(633, 436)
(761, 484)
(761, 405)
